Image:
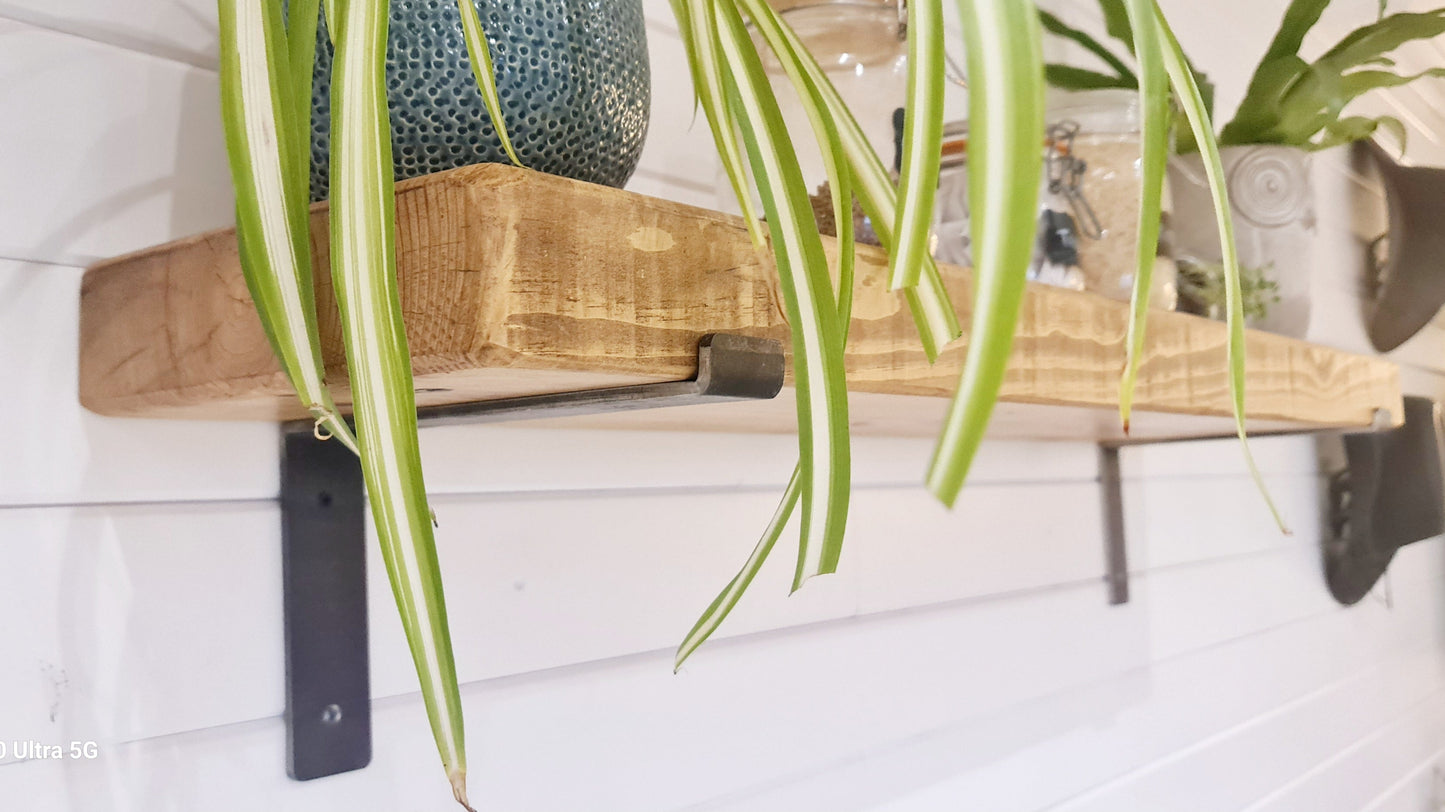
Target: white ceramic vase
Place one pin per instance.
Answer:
(1274, 223)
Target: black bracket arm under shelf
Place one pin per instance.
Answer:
(1386, 491)
(323, 545)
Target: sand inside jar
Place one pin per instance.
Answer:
(1111, 186)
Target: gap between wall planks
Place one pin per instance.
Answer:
(515, 282)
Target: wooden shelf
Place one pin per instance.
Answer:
(514, 282)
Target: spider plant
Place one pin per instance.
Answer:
(266, 61)
(1165, 72)
(1006, 114)
(266, 69)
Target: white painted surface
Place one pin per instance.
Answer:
(961, 660)
(106, 150)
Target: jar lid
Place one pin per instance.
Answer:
(1109, 110)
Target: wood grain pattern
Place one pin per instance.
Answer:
(514, 282)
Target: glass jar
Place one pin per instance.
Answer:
(1088, 220)
(1092, 184)
(862, 47)
(950, 205)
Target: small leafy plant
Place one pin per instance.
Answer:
(1289, 101)
(267, 54)
(1201, 285)
(1301, 104)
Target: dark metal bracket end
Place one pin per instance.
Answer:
(1387, 491)
(1390, 493)
(729, 367)
(323, 581)
(323, 541)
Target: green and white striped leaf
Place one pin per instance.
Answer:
(265, 145)
(363, 254)
(840, 185)
(695, 18)
(723, 604)
(1154, 156)
(825, 131)
(1198, 117)
(929, 302)
(922, 143)
(480, 56)
(303, 17)
(1006, 126)
(808, 297)
(932, 310)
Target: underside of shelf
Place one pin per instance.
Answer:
(516, 283)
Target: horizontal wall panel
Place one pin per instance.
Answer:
(631, 736)
(1419, 788)
(138, 621)
(545, 581)
(1177, 521)
(1265, 753)
(1041, 752)
(1352, 778)
(54, 451)
(105, 150)
(912, 551)
(1218, 458)
(1200, 605)
(614, 574)
(627, 734)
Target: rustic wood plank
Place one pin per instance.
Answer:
(514, 282)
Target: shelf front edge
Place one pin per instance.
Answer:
(514, 282)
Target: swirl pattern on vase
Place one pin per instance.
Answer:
(1270, 187)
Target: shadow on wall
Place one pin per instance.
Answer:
(101, 657)
(196, 195)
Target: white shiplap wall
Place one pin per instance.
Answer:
(960, 661)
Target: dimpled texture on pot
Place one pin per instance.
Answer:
(572, 75)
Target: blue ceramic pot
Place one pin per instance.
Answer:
(572, 74)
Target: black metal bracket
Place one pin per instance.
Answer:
(729, 367)
(323, 582)
(1391, 493)
(1386, 490)
(323, 541)
(1116, 554)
